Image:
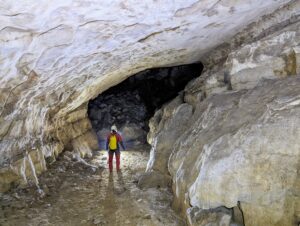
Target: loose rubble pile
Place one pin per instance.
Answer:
(120, 109)
(123, 108)
(130, 104)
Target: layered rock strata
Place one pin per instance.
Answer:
(242, 146)
(238, 145)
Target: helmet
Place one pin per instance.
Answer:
(113, 128)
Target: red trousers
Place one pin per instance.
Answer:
(110, 160)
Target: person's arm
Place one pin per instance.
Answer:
(121, 142)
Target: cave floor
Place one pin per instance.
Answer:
(76, 194)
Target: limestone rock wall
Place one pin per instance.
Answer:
(243, 146)
(22, 163)
(267, 58)
(238, 147)
(165, 127)
(274, 56)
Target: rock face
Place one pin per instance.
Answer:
(267, 58)
(243, 146)
(167, 124)
(239, 144)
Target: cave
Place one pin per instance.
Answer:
(130, 104)
(212, 147)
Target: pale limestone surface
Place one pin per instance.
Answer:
(274, 56)
(239, 145)
(243, 146)
(166, 125)
(268, 58)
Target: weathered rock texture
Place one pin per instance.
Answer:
(57, 55)
(236, 146)
(243, 146)
(239, 143)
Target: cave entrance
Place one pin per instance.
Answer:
(130, 104)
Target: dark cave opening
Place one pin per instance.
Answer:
(130, 104)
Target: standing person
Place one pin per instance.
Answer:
(113, 142)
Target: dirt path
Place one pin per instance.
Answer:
(78, 195)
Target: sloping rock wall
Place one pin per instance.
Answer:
(243, 146)
(239, 147)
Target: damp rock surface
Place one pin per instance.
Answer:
(75, 194)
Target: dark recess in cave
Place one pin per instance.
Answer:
(130, 104)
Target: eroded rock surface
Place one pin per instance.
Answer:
(241, 146)
(238, 146)
(239, 140)
(214, 217)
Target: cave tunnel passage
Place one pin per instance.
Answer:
(130, 104)
(89, 195)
